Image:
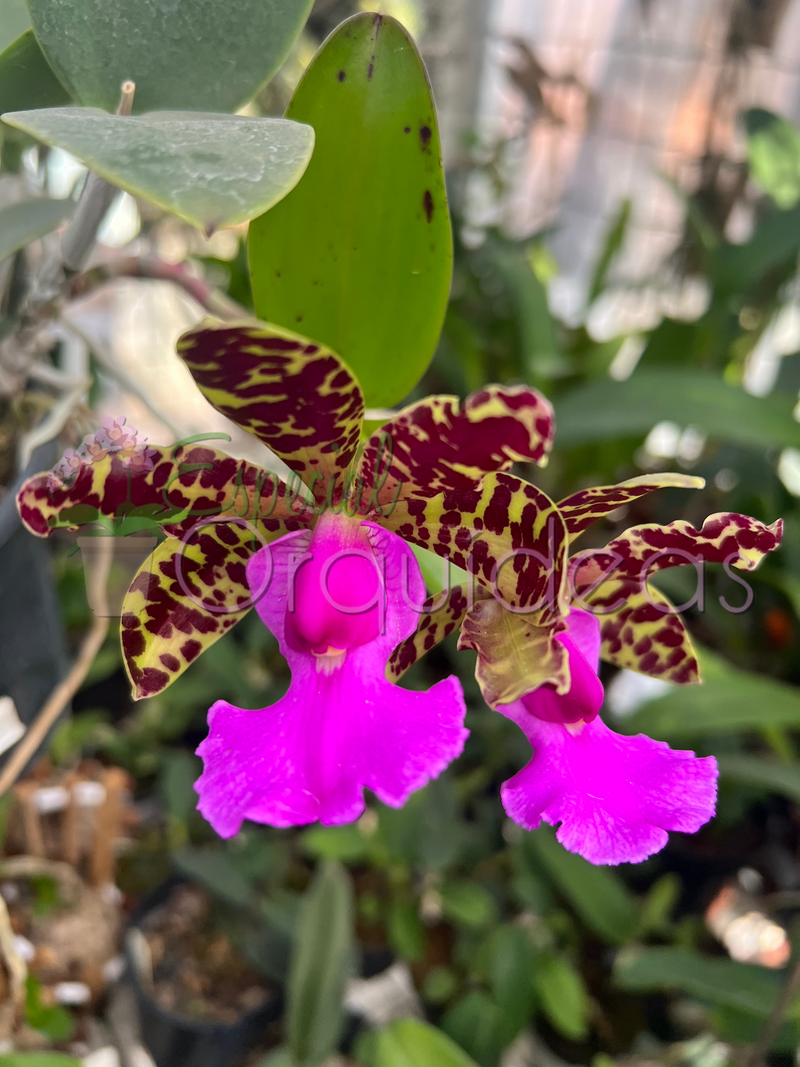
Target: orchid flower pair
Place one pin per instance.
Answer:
(323, 556)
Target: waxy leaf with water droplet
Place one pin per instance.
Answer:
(198, 55)
(359, 255)
(212, 170)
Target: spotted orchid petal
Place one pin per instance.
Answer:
(342, 727)
(615, 797)
(295, 395)
(517, 653)
(184, 484)
(582, 509)
(186, 595)
(442, 614)
(506, 532)
(737, 540)
(439, 444)
(642, 631)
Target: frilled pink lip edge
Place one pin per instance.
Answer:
(340, 729)
(615, 797)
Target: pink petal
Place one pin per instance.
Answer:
(342, 727)
(615, 797)
(584, 629)
(585, 696)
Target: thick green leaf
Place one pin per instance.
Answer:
(468, 903)
(216, 872)
(598, 894)
(773, 247)
(563, 995)
(604, 410)
(28, 221)
(26, 80)
(320, 966)
(539, 347)
(179, 771)
(346, 843)
(773, 151)
(478, 1024)
(38, 1059)
(614, 240)
(194, 55)
(405, 931)
(511, 972)
(411, 1043)
(14, 20)
(212, 170)
(728, 700)
(720, 981)
(359, 255)
(768, 773)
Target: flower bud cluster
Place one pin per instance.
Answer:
(115, 438)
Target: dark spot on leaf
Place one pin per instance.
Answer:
(425, 138)
(342, 75)
(371, 68)
(277, 274)
(406, 129)
(427, 203)
(299, 318)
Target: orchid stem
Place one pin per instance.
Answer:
(95, 200)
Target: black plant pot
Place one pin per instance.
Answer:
(177, 1041)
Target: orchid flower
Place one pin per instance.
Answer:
(300, 549)
(342, 726)
(614, 797)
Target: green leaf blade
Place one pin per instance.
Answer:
(728, 700)
(598, 894)
(720, 981)
(359, 255)
(604, 410)
(411, 1043)
(14, 20)
(199, 55)
(773, 152)
(563, 995)
(26, 80)
(28, 221)
(320, 966)
(211, 170)
(38, 1059)
(767, 773)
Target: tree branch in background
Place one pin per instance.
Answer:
(207, 296)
